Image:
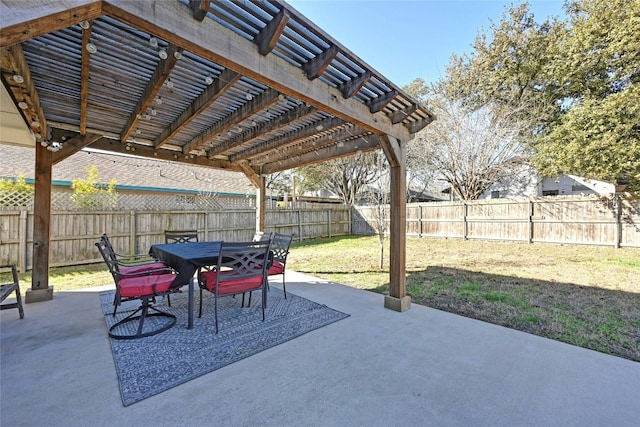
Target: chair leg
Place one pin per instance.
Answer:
(200, 311)
(284, 288)
(144, 314)
(215, 309)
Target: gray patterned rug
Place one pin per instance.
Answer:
(148, 366)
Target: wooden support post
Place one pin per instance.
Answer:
(40, 289)
(261, 203)
(396, 153)
(22, 254)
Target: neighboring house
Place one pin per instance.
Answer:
(143, 184)
(528, 184)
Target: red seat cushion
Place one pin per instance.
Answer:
(276, 268)
(145, 285)
(230, 286)
(143, 268)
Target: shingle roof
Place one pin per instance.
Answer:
(128, 171)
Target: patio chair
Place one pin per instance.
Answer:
(137, 263)
(241, 268)
(143, 287)
(180, 236)
(280, 249)
(262, 235)
(7, 288)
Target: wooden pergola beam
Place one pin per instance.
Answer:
(268, 37)
(400, 115)
(316, 66)
(348, 134)
(351, 87)
(199, 8)
(12, 61)
(370, 142)
(256, 104)
(162, 154)
(253, 133)
(378, 103)
(74, 145)
(84, 79)
(208, 96)
(305, 132)
(154, 85)
(44, 17)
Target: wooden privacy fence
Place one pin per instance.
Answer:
(592, 221)
(73, 234)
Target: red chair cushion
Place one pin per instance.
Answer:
(133, 287)
(230, 286)
(276, 268)
(143, 268)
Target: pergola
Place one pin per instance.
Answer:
(251, 86)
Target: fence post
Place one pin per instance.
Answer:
(329, 220)
(420, 221)
(132, 232)
(465, 229)
(350, 218)
(22, 242)
(530, 237)
(618, 216)
(206, 225)
(299, 216)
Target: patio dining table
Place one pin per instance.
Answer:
(186, 259)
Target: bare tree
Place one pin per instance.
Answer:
(378, 198)
(345, 177)
(471, 149)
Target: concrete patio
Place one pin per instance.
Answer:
(377, 367)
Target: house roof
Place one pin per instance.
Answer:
(250, 86)
(130, 172)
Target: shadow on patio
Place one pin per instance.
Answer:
(377, 367)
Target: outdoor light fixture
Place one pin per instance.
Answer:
(177, 55)
(281, 97)
(340, 144)
(249, 96)
(85, 25)
(153, 111)
(169, 83)
(163, 54)
(208, 80)
(35, 124)
(23, 105)
(319, 127)
(18, 78)
(153, 41)
(159, 100)
(91, 48)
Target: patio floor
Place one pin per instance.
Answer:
(377, 367)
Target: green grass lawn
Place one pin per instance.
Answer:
(583, 295)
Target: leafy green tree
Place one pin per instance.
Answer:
(598, 69)
(15, 192)
(577, 78)
(17, 185)
(89, 193)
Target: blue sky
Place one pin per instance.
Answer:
(407, 39)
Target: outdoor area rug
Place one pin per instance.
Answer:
(148, 366)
